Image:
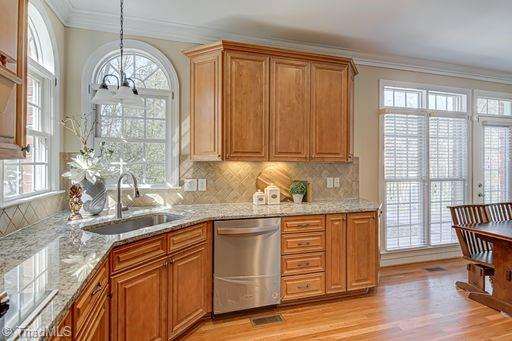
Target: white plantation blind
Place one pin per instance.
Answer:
(448, 160)
(425, 160)
(497, 163)
(404, 174)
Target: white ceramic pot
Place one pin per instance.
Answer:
(297, 198)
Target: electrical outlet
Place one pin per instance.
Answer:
(201, 185)
(190, 185)
(336, 182)
(330, 182)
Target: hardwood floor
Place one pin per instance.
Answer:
(410, 304)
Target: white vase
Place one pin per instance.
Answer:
(94, 196)
(297, 198)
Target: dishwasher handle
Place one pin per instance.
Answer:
(246, 230)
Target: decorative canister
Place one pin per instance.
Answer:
(273, 195)
(258, 198)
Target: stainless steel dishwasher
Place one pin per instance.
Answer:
(247, 264)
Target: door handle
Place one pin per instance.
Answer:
(509, 275)
(96, 290)
(245, 230)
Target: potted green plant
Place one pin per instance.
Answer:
(297, 190)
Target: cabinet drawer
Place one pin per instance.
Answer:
(131, 255)
(304, 223)
(187, 237)
(302, 286)
(303, 242)
(302, 264)
(88, 299)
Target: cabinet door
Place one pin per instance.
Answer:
(289, 109)
(362, 250)
(205, 107)
(330, 112)
(188, 287)
(139, 303)
(246, 106)
(336, 253)
(97, 326)
(13, 77)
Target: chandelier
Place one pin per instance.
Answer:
(125, 94)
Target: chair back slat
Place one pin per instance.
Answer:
(467, 215)
(500, 211)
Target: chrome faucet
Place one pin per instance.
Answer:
(136, 194)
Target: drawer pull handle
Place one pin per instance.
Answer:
(96, 290)
(303, 264)
(303, 225)
(305, 286)
(509, 275)
(303, 244)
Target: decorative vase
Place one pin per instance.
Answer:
(297, 198)
(94, 196)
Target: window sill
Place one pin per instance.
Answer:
(143, 187)
(23, 200)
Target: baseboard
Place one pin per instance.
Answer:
(422, 255)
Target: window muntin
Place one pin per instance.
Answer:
(494, 106)
(138, 137)
(425, 164)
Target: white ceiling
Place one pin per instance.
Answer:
(465, 36)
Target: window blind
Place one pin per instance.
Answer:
(404, 175)
(497, 163)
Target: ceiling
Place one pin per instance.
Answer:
(461, 36)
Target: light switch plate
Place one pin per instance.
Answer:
(201, 185)
(330, 182)
(190, 185)
(336, 182)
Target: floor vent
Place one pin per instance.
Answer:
(435, 269)
(260, 321)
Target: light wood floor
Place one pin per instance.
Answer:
(409, 304)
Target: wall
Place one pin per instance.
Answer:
(14, 217)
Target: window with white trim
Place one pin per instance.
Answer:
(425, 162)
(141, 138)
(32, 175)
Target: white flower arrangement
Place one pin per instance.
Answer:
(87, 165)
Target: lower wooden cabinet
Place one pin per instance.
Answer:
(336, 253)
(96, 328)
(188, 288)
(362, 250)
(139, 303)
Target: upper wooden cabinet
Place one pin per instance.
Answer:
(13, 78)
(257, 103)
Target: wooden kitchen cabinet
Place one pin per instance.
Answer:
(336, 253)
(246, 106)
(13, 78)
(139, 303)
(289, 109)
(362, 250)
(188, 288)
(97, 327)
(257, 103)
(330, 114)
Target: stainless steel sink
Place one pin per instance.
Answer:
(135, 223)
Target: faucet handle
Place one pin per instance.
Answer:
(137, 193)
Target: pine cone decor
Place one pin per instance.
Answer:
(75, 202)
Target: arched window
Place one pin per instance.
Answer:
(145, 141)
(37, 172)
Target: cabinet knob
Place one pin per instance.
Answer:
(26, 148)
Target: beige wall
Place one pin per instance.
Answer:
(80, 43)
(366, 120)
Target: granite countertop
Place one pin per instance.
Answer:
(59, 256)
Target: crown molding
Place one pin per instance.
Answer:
(105, 22)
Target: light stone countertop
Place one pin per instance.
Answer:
(66, 254)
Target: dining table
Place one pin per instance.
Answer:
(500, 235)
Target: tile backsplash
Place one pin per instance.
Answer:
(15, 217)
(236, 182)
(226, 182)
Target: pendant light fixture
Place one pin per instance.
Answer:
(125, 94)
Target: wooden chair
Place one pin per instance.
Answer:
(474, 249)
(500, 211)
